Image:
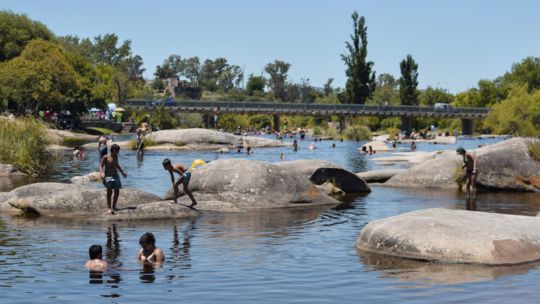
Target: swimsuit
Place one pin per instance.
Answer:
(103, 151)
(112, 181)
(151, 257)
(186, 177)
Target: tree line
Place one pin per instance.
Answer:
(39, 69)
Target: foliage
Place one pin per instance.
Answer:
(534, 150)
(317, 131)
(408, 82)
(431, 96)
(230, 122)
(391, 122)
(260, 121)
(277, 80)
(332, 133)
(189, 120)
(387, 90)
(459, 174)
(526, 72)
(98, 131)
(17, 31)
(148, 142)
(74, 141)
(255, 84)
(23, 143)
(518, 114)
(360, 79)
(219, 75)
(40, 75)
(357, 133)
(392, 131)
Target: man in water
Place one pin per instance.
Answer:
(96, 263)
(185, 176)
(471, 170)
(108, 170)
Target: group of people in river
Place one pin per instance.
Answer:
(149, 252)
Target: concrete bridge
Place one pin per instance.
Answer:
(406, 113)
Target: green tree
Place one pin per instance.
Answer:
(277, 72)
(527, 71)
(518, 114)
(387, 90)
(408, 82)
(42, 74)
(360, 77)
(328, 89)
(255, 84)
(431, 96)
(16, 31)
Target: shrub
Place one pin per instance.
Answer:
(23, 143)
(332, 132)
(357, 133)
(317, 131)
(392, 133)
(534, 150)
(459, 174)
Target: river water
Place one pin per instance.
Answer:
(280, 256)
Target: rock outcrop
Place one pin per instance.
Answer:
(241, 185)
(507, 165)
(455, 236)
(88, 178)
(61, 200)
(379, 176)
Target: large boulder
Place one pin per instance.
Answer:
(379, 176)
(455, 236)
(210, 139)
(87, 178)
(322, 171)
(240, 185)
(507, 165)
(71, 201)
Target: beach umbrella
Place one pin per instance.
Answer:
(119, 110)
(112, 106)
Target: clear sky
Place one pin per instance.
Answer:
(455, 42)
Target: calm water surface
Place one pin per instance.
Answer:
(292, 256)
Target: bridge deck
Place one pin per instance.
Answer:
(241, 107)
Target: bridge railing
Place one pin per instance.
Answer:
(277, 107)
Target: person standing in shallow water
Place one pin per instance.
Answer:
(185, 176)
(471, 169)
(108, 170)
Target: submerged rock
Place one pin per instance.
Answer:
(240, 185)
(377, 146)
(71, 201)
(455, 236)
(379, 176)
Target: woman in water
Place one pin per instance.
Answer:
(149, 252)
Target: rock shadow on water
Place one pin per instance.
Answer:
(433, 273)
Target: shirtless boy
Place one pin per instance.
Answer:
(471, 169)
(108, 170)
(184, 179)
(96, 263)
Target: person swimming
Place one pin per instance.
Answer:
(149, 252)
(96, 263)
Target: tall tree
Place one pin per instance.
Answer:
(328, 89)
(255, 84)
(360, 77)
(408, 82)
(278, 77)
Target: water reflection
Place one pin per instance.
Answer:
(470, 203)
(112, 247)
(180, 255)
(147, 273)
(431, 273)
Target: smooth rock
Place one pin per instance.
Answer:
(9, 170)
(377, 146)
(151, 211)
(222, 150)
(455, 236)
(85, 179)
(379, 176)
(241, 185)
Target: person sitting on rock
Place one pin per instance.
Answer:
(108, 170)
(96, 263)
(185, 176)
(471, 170)
(149, 252)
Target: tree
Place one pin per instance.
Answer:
(278, 77)
(387, 90)
(328, 89)
(42, 74)
(431, 96)
(255, 83)
(527, 71)
(16, 31)
(408, 94)
(360, 77)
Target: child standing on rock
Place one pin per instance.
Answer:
(185, 176)
(108, 170)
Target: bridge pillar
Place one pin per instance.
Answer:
(277, 124)
(466, 126)
(342, 124)
(406, 124)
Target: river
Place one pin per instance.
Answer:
(280, 256)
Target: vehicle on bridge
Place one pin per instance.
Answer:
(443, 107)
(169, 102)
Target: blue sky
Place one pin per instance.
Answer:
(456, 43)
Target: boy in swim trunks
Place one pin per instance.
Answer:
(96, 263)
(470, 166)
(185, 176)
(108, 170)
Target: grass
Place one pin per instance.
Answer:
(74, 141)
(23, 145)
(357, 133)
(534, 150)
(148, 142)
(98, 131)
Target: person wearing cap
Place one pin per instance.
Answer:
(471, 170)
